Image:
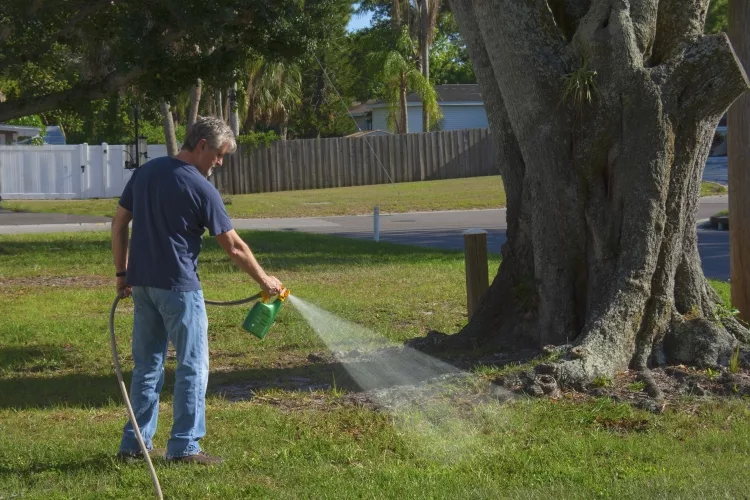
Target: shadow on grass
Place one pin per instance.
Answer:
(81, 390)
(37, 358)
(287, 250)
(97, 463)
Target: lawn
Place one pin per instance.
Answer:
(712, 189)
(61, 413)
(454, 194)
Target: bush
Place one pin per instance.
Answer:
(255, 140)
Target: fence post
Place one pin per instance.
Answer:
(105, 169)
(477, 279)
(83, 158)
(376, 223)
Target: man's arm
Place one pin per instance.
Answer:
(120, 237)
(240, 254)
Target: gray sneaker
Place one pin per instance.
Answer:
(201, 458)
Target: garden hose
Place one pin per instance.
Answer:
(124, 390)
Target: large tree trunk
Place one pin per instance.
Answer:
(738, 128)
(169, 133)
(195, 100)
(603, 192)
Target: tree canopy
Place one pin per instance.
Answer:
(64, 53)
(84, 64)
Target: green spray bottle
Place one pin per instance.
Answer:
(263, 313)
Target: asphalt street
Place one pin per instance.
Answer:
(430, 229)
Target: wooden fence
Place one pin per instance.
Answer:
(339, 162)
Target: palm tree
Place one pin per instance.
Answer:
(195, 99)
(252, 74)
(420, 18)
(273, 92)
(400, 76)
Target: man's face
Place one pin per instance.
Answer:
(207, 157)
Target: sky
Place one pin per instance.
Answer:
(359, 21)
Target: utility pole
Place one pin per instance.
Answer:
(738, 153)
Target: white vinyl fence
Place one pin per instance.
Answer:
(66, 172)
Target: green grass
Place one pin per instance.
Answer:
(454, 194)
(712, 189)
(61, 413)
(721, 213)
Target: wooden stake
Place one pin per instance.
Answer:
(477, 279)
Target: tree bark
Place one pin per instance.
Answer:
(738, 144)
(195, 99)
(219, 105)
(86, 92)
(169, 132)
(424, 46)
(228, 106)
(603, 190)
(403, 110)
(234, 116)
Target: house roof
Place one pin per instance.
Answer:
(54, 136)
(20, 130)
(464, 93)
(363, 133)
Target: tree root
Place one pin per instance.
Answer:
(699, 342)
(652, 389)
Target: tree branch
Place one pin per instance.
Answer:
(526, 50)
(705, 79)
(568, 13)
(678, 22)
(608, 40)
(85, 12)
(85, 92)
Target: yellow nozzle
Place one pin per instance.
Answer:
(282, 296)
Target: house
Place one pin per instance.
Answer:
(461, 104)
(369, 133)
(13, 134)
(54, 136)
(18, 134)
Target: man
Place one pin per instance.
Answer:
(171, 203)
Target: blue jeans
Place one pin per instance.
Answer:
(161, 316)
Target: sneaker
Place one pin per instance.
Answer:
(138, 455)
(201, 458)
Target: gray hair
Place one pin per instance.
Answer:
(214, 130)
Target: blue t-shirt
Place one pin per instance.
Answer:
(172, 205)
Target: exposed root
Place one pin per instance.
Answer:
(652, 388)
(698, 342)
(736, 329)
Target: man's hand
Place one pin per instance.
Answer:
(122, 288)
(240, 253)
(272, 286)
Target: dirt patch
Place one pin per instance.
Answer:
(674, 382)
(58, 281)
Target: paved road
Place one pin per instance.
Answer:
(431, 229)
